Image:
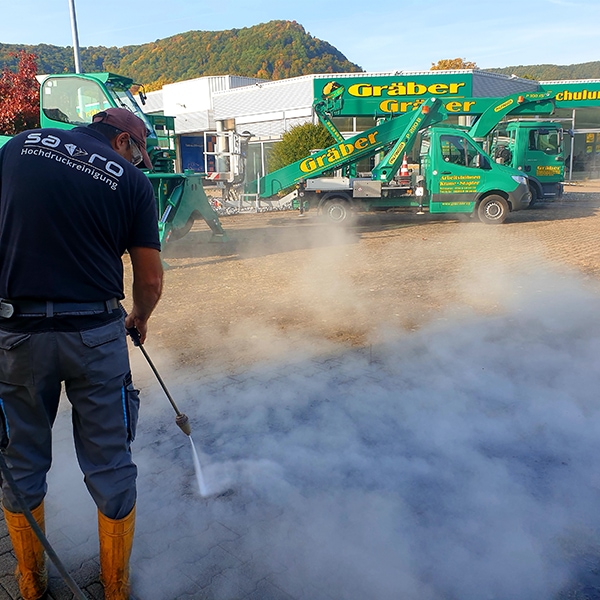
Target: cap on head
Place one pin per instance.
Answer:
(126, 121)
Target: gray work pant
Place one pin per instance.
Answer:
(94, 364)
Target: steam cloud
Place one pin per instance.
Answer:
(460, 462)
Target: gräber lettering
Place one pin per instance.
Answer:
(336, 153)
(398, 88)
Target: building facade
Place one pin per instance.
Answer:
(208, 107)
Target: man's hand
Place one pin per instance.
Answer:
(147, 287)
(141, 326)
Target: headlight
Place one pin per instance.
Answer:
(520, 179)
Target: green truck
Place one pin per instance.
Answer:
(545, 171)
(71, 100)
(536, 148)
(456, 175)
(525, 130)
(531, 145)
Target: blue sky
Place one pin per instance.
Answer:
(377, 36)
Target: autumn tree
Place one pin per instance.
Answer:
(451, 64)
(19, 96)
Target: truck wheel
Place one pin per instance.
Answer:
(338, 211)
(493, 210)
(533, 197)
(535, 194)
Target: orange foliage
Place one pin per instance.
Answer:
(19, 96)
(451, 64)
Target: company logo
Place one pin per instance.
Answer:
(74, 150)
(97, 166)
(408, 88)
(547, 170)
(337, 153)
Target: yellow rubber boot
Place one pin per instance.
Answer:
(116, 540)
(31, 571)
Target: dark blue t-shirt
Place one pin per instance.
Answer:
(69, 208)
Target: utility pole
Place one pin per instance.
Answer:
(75, 36)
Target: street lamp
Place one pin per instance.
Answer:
(75, 36)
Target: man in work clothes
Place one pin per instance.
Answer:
(71, 203)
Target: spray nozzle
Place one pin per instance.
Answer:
(183, 423)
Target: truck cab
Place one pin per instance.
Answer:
(537, 148)
(461, 177)
(68, 100)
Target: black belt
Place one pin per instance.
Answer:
(43, 308)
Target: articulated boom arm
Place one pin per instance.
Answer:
(428, 115)
(402, 130)
(525, 103)
(332, 103)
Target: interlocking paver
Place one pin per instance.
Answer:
(204, 570)
(226, 588)
(5, 545)
(4, 595)
(267, 591)
(8, 581)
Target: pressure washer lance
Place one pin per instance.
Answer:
(181, 419)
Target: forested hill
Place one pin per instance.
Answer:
(273, 50)
(589, 70)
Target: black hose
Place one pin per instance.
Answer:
(7, 475)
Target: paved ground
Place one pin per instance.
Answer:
(407, 410)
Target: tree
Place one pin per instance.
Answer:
(297, 144)
(451, 64)
(19, 96)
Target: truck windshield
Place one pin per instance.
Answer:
(545, 140)
(124, 99)
(72, 100)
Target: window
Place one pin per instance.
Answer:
(76, 100)
(72, 100)
(124, 99)
(545, 140)
(459, 151)
(344, 124)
